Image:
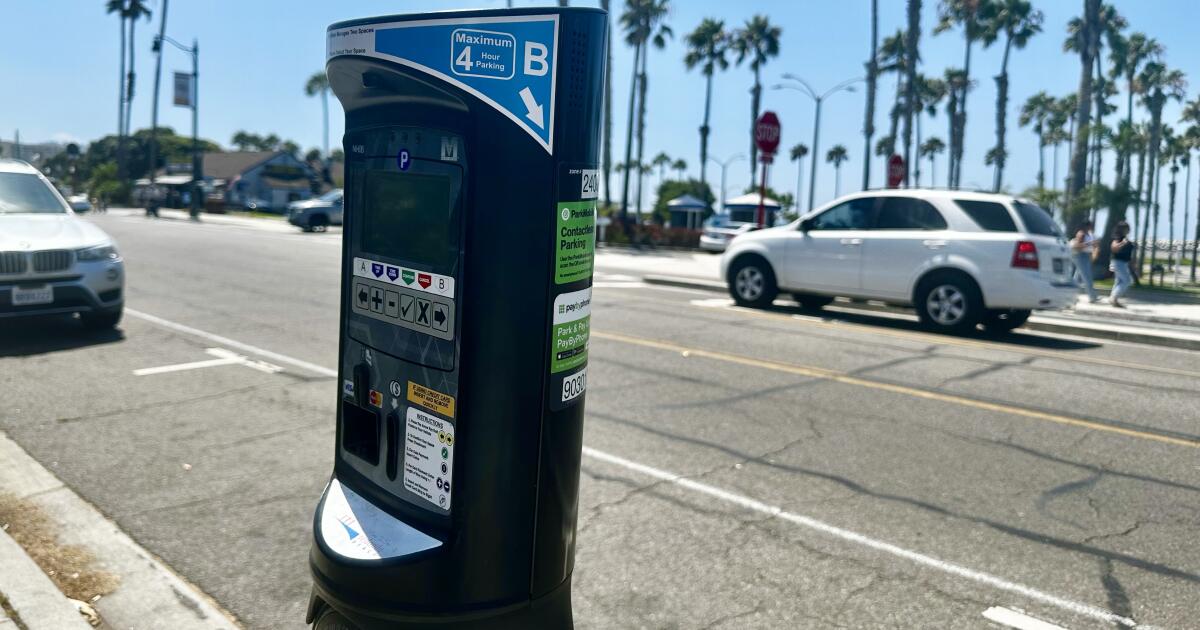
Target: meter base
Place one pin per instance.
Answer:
(549, 612)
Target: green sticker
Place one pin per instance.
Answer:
(572, 322)
(575, 238)
(408, 276)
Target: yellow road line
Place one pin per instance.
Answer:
(966, 343)
(842, 377)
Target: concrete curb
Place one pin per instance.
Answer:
(150, 594)
(36, 600)
(1184, 340)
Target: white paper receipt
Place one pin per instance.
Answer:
(428, 457)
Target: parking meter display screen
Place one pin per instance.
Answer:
(409, 217)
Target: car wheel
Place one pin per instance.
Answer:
(812, 302)
(1004, 320)
(752, 283)
(949, 302)
(102, 320)
(318, 223)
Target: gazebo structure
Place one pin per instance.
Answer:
(744, 208)
(687, 212)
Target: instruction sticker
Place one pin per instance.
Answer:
(575, 241)
(431, 399)
(428, 457)
(572, 325)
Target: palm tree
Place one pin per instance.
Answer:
(1157, 84)
(661, 162)
(679, 166)
(1127, 57)
(797, 153)
(707, 46)
(318, 84)
(836, 156)
(1191, 114)
(642, 22)
(911, 106)
(1088, 43)
(118, 7)
(1017, 21)
(929, 149)
(930, 92)
(606, 160)
(757, 41)
(963, 13)
(869, 122)
(956, 85)
(1037, 110)
(135, 10)
(893, 57)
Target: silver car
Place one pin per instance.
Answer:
(52, 262)
(314, 215)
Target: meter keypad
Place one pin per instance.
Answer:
(414, 310)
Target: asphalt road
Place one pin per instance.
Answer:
(742, 469)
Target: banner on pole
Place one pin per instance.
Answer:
(183, 89)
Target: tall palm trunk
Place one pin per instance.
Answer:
(1196, 240)
(1041, 176)
(1083, 115)
(626, 167)
(129, 83)
(121, 107)
(952, 117)
(704, 128)
(606, 161)
(641, 133)
(1141, 206)
(1152, 174)
(755, 102)
(1157, 210)
(1171, 220)
(917, 162)
(872, 79)
(894, 117)
(1001, 115)
(911, 38)
(932, 169)
(960, 126)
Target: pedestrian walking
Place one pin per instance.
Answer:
(1122, 254)
(1083, 253)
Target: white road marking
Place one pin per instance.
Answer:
(225, 357)
(1016, 619)
(744, 502)
(617, 284)
(980, 577)
(226, 341)
(713, 303)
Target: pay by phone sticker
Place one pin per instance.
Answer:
(575, 241)
(428, 457)
(571, 327)
(436, 284)
(431, 399)
(509, 62)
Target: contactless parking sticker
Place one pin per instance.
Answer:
(572, 324)
(575, 236)
(428, 457)
(508, 62)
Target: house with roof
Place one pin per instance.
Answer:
(263, 180)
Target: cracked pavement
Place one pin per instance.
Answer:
(217, 471)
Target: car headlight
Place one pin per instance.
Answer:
(99, 253)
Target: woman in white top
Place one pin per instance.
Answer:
(1083, 248)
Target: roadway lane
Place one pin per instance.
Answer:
(832, 471)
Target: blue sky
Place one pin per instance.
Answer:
(58, 61)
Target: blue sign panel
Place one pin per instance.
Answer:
(508, 62)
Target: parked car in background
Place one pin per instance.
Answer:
(52, 262)
(314, 215)
(719, 230)
(80, 203)
(959, 258)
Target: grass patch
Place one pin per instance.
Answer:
(70, 567)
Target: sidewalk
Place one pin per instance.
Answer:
(1169, 320)
(279, 225)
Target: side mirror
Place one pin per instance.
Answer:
(805, 225)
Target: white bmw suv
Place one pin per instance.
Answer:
(959, 258)
(52, 262)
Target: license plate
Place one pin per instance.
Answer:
(1059, 264)
(29, 296)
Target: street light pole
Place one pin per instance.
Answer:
(153, 190)
(724, 166)
(804, 88)
(197, 161)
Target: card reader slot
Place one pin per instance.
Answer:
(393, 444)
(360, 432)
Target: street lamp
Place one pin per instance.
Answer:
(197, 163)
(725, 165)
(803, 87)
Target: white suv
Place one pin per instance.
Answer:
(960, 258)
(52, 262)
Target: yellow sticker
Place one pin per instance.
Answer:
(431, 399)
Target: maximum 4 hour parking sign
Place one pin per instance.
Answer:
(508, 62)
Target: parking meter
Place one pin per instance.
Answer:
(470, 196)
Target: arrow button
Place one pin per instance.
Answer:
(441, 318)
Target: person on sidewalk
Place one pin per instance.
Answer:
(1122, 254)
(1083, 252)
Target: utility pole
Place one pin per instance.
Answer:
(197, 159)
(162, 30)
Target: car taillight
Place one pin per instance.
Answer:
(1025, 255)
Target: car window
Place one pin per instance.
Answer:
(852, 215)
(989, 215)
(908, 213)
(27, 193)
(1036, 219)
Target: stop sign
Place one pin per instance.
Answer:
(766, 132)
(895, 171)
